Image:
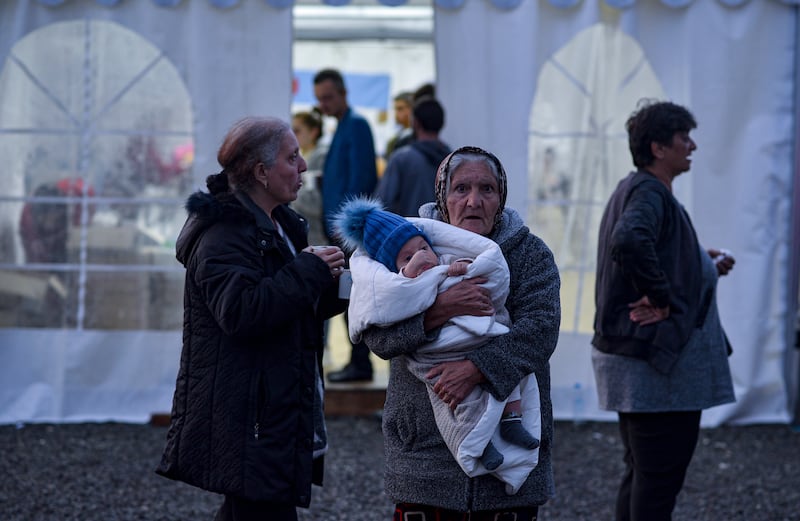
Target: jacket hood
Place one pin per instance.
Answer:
(204, 210)
(433, 151)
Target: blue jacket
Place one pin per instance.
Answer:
(350, 168)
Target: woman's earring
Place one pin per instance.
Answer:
(266, 178)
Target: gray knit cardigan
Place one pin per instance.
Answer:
(419, 467)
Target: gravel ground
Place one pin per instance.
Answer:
(105, 472)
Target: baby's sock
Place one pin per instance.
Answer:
(512, 431)
(491, 457)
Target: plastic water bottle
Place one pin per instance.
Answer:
(578, 403)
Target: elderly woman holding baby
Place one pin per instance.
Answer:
(421, 475)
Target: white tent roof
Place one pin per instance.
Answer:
(442, 4)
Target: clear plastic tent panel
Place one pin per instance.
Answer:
(578, 151)
(97, 124)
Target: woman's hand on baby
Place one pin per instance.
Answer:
(330, 255)
(467, 297)
(455, 380)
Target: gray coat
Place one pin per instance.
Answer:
(419, 466)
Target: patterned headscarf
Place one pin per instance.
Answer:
(444, 174)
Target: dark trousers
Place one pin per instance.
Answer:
(359, 355)
(658, 449)
(240, 509)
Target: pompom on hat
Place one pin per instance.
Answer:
(364, 223)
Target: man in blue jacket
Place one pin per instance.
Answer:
(350, 171)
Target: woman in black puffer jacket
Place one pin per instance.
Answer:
(247, 417)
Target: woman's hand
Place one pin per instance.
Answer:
(330, 255)
(467, 297)
(644, 313)
(723, 259)
(455, 380)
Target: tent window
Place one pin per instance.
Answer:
(578, 151)
(97, 126)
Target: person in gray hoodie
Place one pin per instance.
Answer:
(421, 475)
(407, 183)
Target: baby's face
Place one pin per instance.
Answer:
(415, 257)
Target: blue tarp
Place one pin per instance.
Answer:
(363, 90)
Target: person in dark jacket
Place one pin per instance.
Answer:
(660, 354)
(247, 418)
(422, 477)
(408, 180)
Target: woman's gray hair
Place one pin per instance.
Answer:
(470, 157)
(250, 141)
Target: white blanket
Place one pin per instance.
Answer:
(380, 297)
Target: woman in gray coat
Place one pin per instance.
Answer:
(421, 475)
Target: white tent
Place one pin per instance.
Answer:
(107, 92)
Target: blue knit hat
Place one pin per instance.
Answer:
(363, 223)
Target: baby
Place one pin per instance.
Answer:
(415, 257)
(404, 249)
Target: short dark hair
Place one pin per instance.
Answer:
(332, 75)
(429, 114)
(406, 97)
(655, 121)
(425, 90)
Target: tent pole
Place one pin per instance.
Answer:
(793, 331)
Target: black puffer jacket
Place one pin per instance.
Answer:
(242, 415)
